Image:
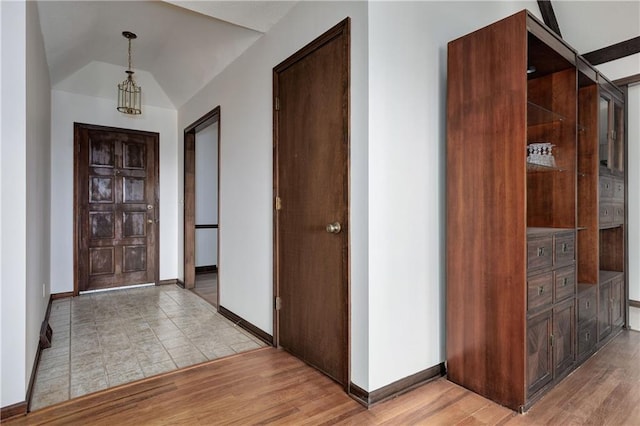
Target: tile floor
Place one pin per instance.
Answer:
(106, 339)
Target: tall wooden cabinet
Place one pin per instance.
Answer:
(535, 242)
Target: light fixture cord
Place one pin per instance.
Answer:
(129, 54)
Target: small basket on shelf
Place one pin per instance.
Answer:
(540, 155)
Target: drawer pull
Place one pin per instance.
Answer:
(606, 212)
(565, 281)
(541, 251)
(587, 336)
(540, 290)
(587, 304)
(565, 247)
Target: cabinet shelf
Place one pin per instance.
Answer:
(538, 168)
(537, 115)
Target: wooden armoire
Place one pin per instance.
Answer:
(536, 221)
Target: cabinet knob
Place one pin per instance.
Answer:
(540, 290)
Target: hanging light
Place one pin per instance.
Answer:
(129, 94)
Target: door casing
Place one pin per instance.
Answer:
(206, 120)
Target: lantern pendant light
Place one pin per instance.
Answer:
(129, 94)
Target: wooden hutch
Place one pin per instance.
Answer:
(536, 216)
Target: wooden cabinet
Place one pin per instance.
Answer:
(530, 216)
(587, 320)
(611, 303)
(551, 311)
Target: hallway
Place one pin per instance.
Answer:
(105, 339)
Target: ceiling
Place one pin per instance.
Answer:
(184, 44)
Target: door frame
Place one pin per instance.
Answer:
(343, 28)
(189, 240)
(77, 197)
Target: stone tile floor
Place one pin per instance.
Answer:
(105, 339)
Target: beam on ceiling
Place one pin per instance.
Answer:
(613, 52)
(627, 81)
(549, 16)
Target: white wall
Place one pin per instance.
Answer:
(407, 62)
(25, 157)
(207, 195)
(38, 202)
(67, 108)
(244, 93)
(13, 196)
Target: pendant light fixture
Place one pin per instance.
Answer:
(129, 94)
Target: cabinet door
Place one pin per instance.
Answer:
(604, 311)
(564, 332)
(617, 302)
(617, 137)
(539, 354)
(611, 132)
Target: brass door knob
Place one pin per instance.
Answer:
(334, 228)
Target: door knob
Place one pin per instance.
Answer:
(334, 228)
(149, 220)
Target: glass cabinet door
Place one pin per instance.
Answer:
(603, 131)
(617, 137)
(611, 134)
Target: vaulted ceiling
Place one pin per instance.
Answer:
(185, 44)
(182, 44)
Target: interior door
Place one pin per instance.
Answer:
(116, 203)
(311, 167)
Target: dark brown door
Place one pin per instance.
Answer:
(116, 206)
(311, 167)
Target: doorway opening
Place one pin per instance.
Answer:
(201, 206)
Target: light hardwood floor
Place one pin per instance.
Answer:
(270, 386)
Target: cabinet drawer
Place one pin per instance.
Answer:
(606, 187)
(540, 252)
(587, 337)
(565, 249)
(587, 305)
(618, 190)
(539, 291)
(606, 214)
(565, 283)
(618, 213)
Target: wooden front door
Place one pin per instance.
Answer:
(116, 207)
(311, 168)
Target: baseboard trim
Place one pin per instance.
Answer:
(206, 269)
(237, 320)
(634, 303)
(369, 399)
(56, 296)
(172, 281)
(46, 333)
(14, 410)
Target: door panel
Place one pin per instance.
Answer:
(312, 182)
(116, 202)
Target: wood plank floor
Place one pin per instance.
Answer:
(271, 386)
